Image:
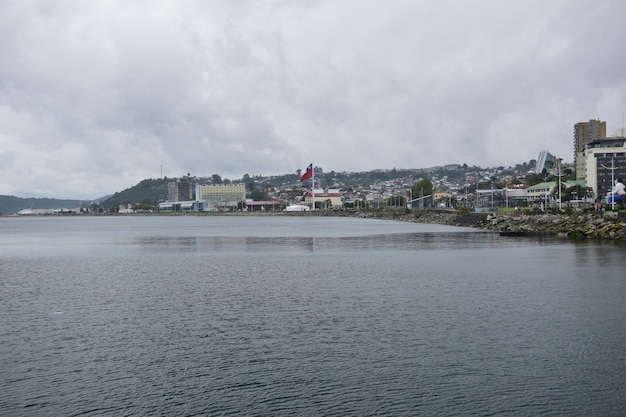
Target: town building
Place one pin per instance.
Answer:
(443, 199)
(605, 160)
(515, 195)
(585, 133)
(221, 197)
(540, 193)
(488, 198)
(200, 197)
(325, 199)
(547, 192)
(180, 190)
(263, 205)
(181, 206)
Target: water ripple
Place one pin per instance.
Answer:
(394, 324)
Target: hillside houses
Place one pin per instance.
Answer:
(453, 185)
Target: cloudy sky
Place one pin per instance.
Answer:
(98, 95)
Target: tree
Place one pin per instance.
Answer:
(249, 182)
(533, 179)
(216, 179)
(144, 204)
(568, 174)
(575, 192)
(259, 195)
(422, 188)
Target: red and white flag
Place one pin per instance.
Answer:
(308, 174)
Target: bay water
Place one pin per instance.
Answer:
(304, 315)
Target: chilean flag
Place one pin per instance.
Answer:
(308, 174)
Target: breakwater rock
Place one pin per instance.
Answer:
(578, 225)
(590, 225)
(435, 216)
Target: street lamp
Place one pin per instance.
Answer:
(559, 176)
(613, 168)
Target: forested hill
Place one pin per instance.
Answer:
(11, 205)
(148, 191)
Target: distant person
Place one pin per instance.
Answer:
(616, 195)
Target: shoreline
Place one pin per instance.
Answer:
(574, 225)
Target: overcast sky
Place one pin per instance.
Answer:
(97, 95)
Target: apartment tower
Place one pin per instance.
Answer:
(584, 133)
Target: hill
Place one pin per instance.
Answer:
(148, 191)
(153, 191)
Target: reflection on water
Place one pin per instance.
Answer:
(392, 241)
(593, 254)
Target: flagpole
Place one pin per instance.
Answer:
(313, 189)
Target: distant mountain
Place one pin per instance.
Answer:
(11, 205)
(101, 199)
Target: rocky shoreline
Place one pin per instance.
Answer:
(576, 225)
(590, 225)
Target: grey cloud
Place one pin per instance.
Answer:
(97, 96)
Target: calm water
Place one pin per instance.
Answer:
(305, 316)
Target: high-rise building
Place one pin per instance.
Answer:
(584, 133)
(544, 160)
(180, 190)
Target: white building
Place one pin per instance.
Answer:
(605, 160)
(330, 197)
